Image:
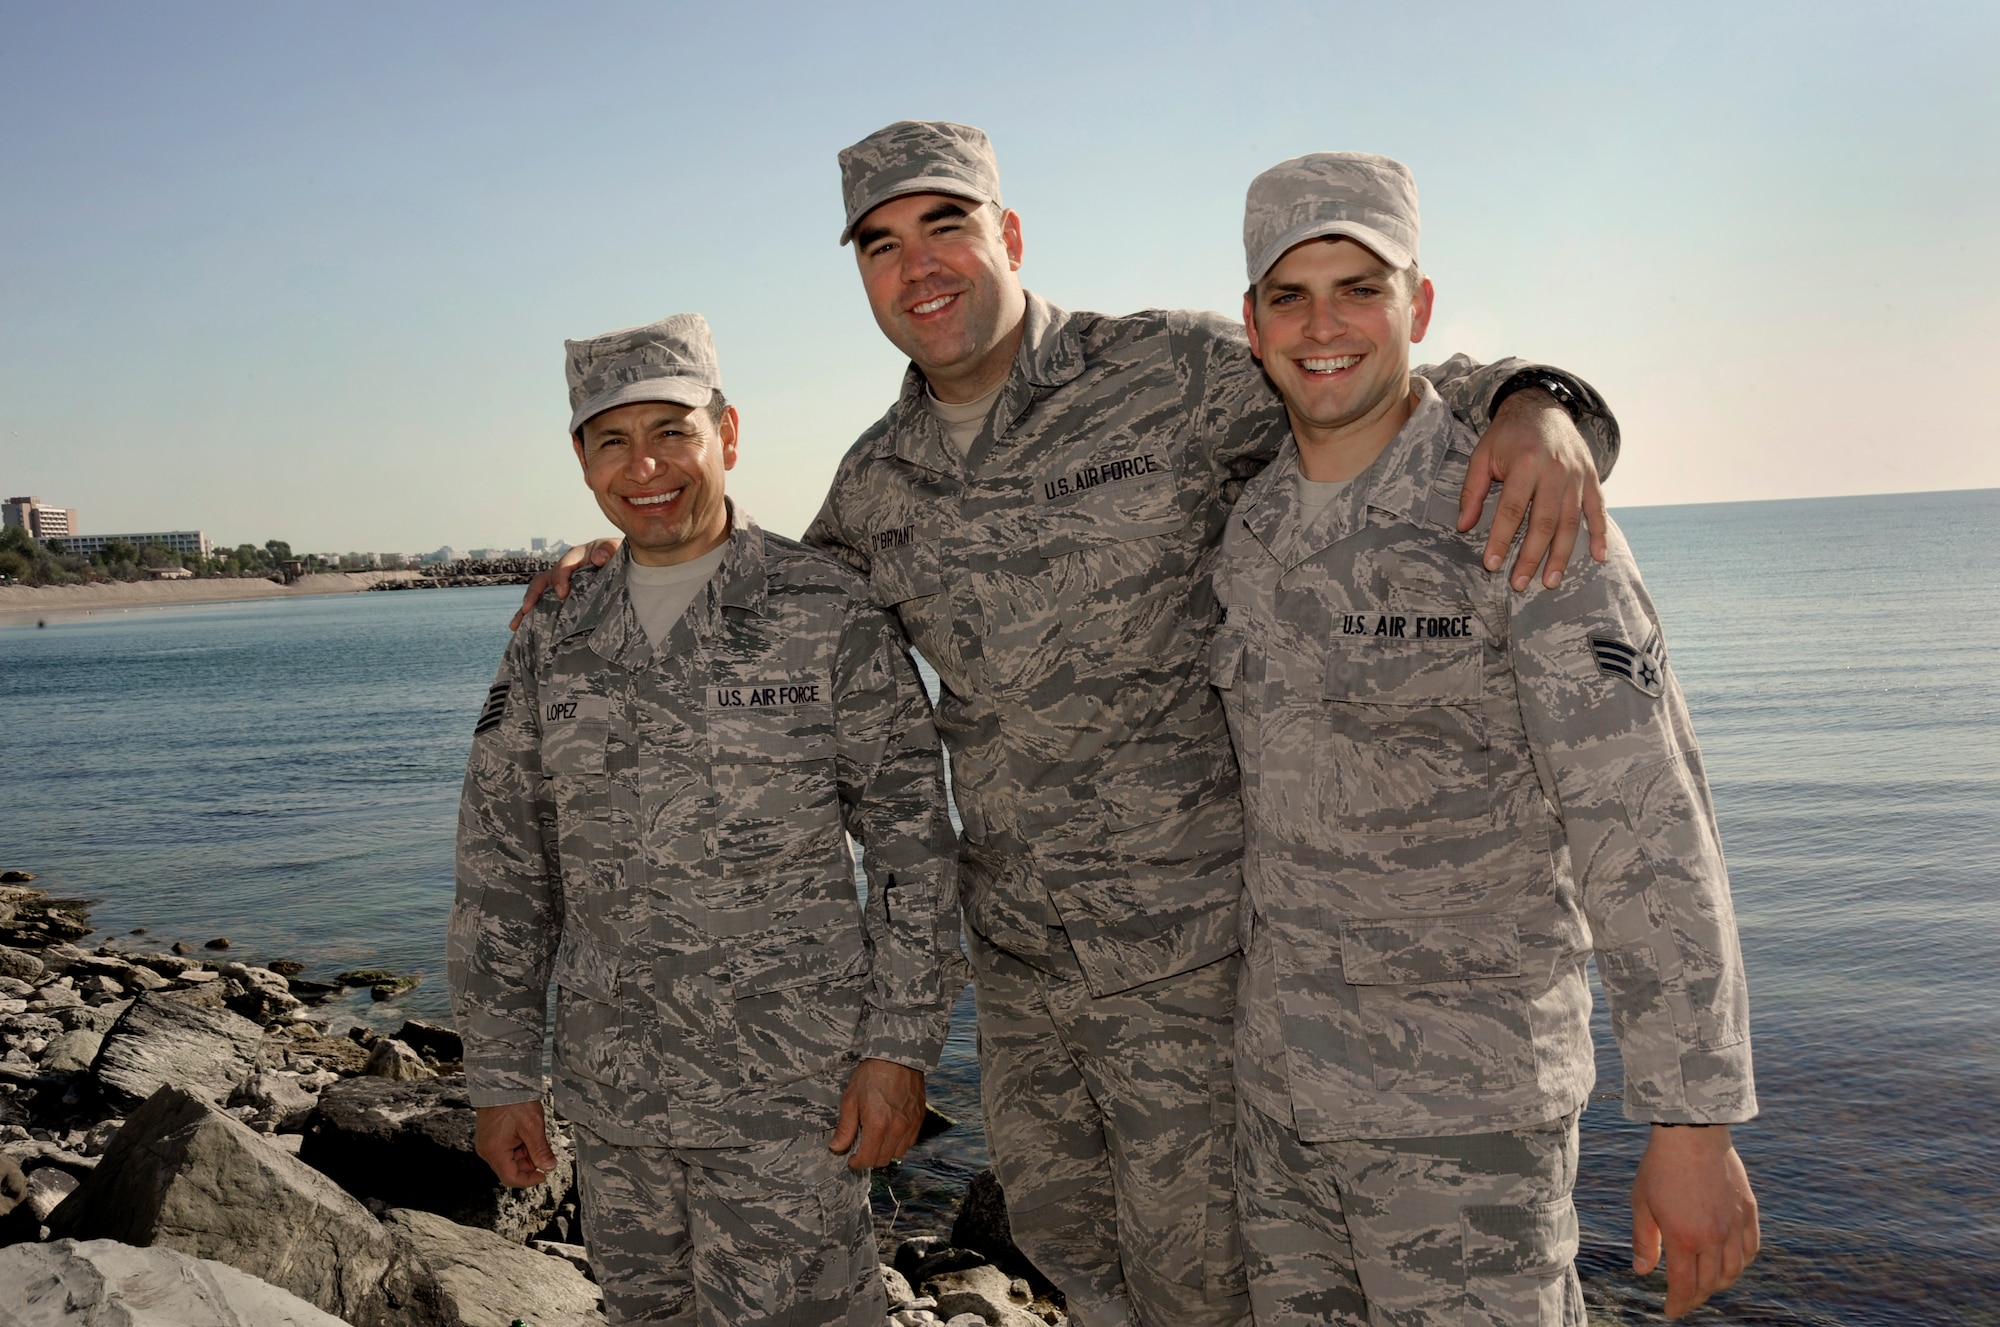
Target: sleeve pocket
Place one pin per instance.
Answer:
(1225, 652)
(1421, 950)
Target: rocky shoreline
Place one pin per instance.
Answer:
(184, 1125)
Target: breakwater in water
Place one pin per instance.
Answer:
(286, 773)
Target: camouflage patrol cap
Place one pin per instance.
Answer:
(916, 157)
(1369, 199)
(671, 360)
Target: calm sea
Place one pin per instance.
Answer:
(285, 774)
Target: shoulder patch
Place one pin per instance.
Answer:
(1644, 667)
(496, 706)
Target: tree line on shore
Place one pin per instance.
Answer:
(30, 562)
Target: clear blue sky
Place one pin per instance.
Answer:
(304, 271)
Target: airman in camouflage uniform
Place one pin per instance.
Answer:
(1454, 797)
(676, 815)
(1051, 562)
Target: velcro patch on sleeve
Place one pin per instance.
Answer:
(1645, 666)
(496, 707)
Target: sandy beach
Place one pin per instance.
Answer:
(27, 603)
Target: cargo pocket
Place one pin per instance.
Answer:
(1516, 1261)
(1403, 743)
(1436, 1017)
(799, 1011)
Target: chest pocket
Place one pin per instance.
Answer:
(1132, 497)
(1403, 737)
(771, 757)
(901, 574)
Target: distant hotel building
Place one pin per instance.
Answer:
(39, 521)
(177, 541)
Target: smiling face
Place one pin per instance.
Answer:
(656, 469)
(941, 276)
(1333, 325)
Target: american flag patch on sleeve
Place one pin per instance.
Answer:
(1644, 667)
(496, 706)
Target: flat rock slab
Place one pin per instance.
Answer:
(486, 1281)
(409, 1144)
(102, 1283)
(183, 1175)
(161, 1040)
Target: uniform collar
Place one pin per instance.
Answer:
(1050, 354)
(1398, 482)
(603, 610)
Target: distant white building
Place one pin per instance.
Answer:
(178, 541)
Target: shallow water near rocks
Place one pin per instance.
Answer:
(286, 774)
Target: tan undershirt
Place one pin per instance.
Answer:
(1315, 495)
(963, 422)
(661, 594)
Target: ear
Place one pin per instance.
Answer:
(1421, 305)
(1010, 237)
(1250, 323)
(727, 427)
(576, 441)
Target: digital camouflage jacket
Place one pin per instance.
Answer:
(1058, 580)
(678, 820)
(1455, 793)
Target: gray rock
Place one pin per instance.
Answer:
(102, 1283)
(59, 958)
(282, 1101)
(47, 1188)
(410, 1145)
(897, 1287)
(986, 1291)
(164, 965)
(161, 1040)
(55, 996)
(392, 1059)
(430, 1040)
(13, 1184)
(19, 964)
(576, 1255)
(72, 1052)
(486, 1281)
(14, 986)
(95, 1018)
(99, 1136)
(183, 1175)
(982, 1226)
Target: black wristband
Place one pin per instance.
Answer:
(1554, 384)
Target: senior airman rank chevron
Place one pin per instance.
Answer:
(1644, 667)
(496, 706)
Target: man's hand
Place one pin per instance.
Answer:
(514, 1140)
(1533, 448)
(1692, 1201)
(598, 552)
(884, 1106)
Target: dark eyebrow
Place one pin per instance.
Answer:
(864, 238)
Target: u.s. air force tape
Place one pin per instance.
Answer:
(1644, 667)
(496, 705)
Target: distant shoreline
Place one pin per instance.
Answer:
(25, 603)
